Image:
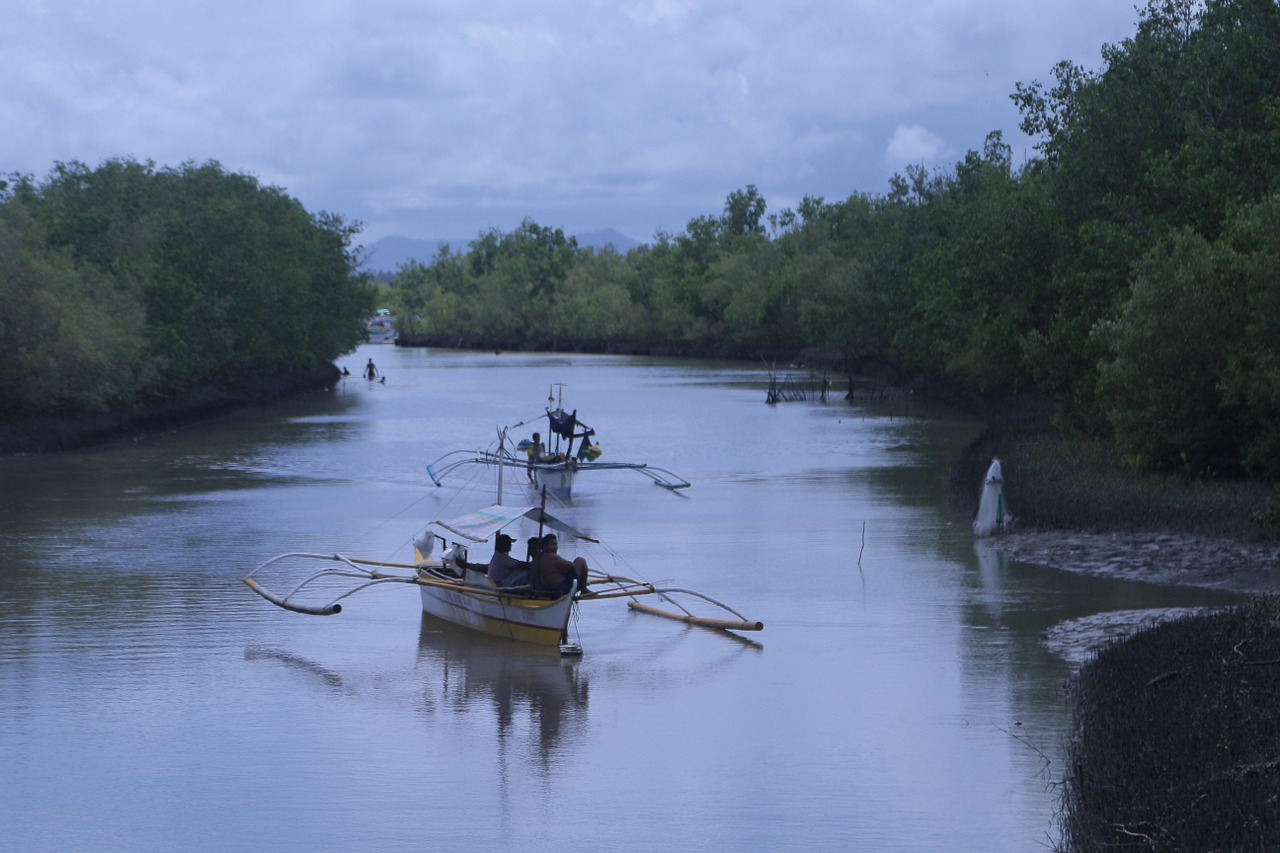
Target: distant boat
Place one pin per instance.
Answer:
(381, 328)
(572, 450)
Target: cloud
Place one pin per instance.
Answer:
(441, 119)
(913, 145)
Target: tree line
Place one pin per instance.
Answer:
(1129, 272)
(127, 283)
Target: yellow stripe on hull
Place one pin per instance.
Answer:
(521, 619)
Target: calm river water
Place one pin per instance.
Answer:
(899, 698)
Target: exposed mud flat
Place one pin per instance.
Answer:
(1078, 640)
(1160, 558)
(1163, 558)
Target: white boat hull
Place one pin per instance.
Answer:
(558, 480)
(526, 620)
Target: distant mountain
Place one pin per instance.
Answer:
(621, 243)
(390, 253)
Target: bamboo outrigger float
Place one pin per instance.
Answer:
(461, 592)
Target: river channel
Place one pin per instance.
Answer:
(900, 697)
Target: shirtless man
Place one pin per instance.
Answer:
(555, 573)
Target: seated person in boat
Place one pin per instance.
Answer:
(504, 569)
(556, 574)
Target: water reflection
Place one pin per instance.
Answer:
(297, 663)
(904, 700)
(991, 569)
(131, 479)
(536, 695)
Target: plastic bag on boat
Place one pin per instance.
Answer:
(425, 543)
(455, 554)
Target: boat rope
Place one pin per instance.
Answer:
(408, 541)
(625, 584)
(386, 521)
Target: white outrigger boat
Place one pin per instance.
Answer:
(462, 593)
(558, 466)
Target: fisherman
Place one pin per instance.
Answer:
(504, 569)
(555, 573)
(370, 371)
(536, 451)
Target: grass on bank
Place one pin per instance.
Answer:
(1177, 738)
(1057, 483)
(1176, 744)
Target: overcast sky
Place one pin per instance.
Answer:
(438, 119)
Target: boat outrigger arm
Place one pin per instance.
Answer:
(446, 464)
(351, 575)
(560, 460)
(370, 573)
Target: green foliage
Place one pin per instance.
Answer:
(147, 282)
(1251, 380)
(743, 210)
(69, 332)
(1128, 274)
(595, 307)
(1161, 382)
(1176, 131)
(1192, 378)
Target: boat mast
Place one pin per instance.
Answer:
(502, 449)
(556, 396)
(542, 511)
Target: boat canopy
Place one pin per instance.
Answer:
(563, 424)
(482, 524)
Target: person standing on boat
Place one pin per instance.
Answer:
(536, 451)
(370, 371)
(504, 569)
(556, 574)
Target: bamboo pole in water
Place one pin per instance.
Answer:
(723, 624)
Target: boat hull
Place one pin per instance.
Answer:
(538, 621)
(558, 481)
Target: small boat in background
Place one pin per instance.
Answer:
(555, 466)
(381, 328)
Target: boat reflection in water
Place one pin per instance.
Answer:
(297, 663)
(532, 689)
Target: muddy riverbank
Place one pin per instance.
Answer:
(1078, 510)
(1152, 557)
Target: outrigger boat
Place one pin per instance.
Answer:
(557, 467)
(462, 593)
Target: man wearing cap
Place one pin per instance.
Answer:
(504, 569)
